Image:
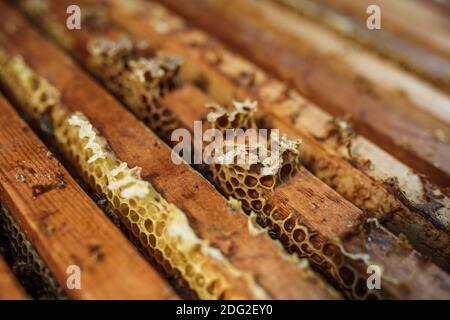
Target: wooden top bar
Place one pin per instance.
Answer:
(412, 20)
(10, 288)
(64, 224)
(347, 220)
(394, 131)
(408, 54)
(387, 189)
(379, 78)
(331, 217)
(207, 211)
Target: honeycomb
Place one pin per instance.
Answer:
(253, 183)
(256, 229)
(139, 77)
(36, 94)
(161, 229)
(31, 269)
(261, 153)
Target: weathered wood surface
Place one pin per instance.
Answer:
(408, 19)
(208, 212)
(386, 188)
(408, 266)
(398, 133)
(331, 217)
(10, 288)
(407, 53)
(379, 78)
(64, 225)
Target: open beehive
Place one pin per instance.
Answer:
(361, 180)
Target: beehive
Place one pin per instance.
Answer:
(340, 172)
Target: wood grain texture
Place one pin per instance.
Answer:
(64, 224)
(224, 76)
(208, 212)
(409, 19)
(311, 200)
(411, 265)
(395, 132)
(406, 53)
(332, 217)
(444, 6)
(308, 194)
(378, 78)
(10, 288)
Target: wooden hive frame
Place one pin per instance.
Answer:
(238, 258)
(385, 81)
(33, 186)
(401, 135)
(81, 42)
(410, 55)
(386, 189)
(10, 288)
(234, 267)
(429, 29)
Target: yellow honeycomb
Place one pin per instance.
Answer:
(161, 229)
(34, 92)
(37, 278)
(139, 77)
(256, 229)
(252, 185)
